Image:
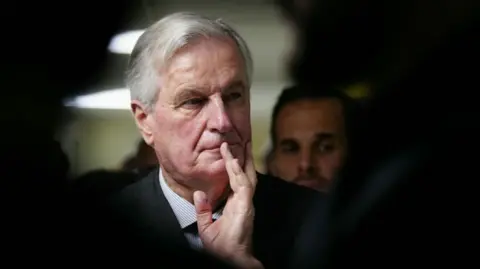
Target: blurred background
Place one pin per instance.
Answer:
(102, 135)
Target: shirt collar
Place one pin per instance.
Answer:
(184, 211)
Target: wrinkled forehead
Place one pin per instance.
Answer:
(322, 115)
(195, 45)
(206, 63)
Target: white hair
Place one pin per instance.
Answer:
(158, 44)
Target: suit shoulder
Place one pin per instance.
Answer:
(280, 189)
(134, 193)
(137, 187)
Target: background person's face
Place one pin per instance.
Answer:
(311, 143)
(203, 101)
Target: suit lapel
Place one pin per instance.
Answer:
(154, 220)
(159, 221)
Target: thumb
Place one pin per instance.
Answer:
(203, 209)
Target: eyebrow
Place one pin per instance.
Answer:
(324, 136)
(186, 93)
(318, 136)
(287, 141)
(235, 84)
(197, 91)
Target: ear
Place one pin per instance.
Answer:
(143, 119)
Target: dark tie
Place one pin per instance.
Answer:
(193, 228)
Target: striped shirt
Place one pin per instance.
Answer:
(185, 213)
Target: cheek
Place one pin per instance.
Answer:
(188, 131)
(286, 170)
(338, 158)
(286, 164)
(241, 121)
(331, 163)
(177, 133)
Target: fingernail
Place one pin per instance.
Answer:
(200, 197)
(224, 146)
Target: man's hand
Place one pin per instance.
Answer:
(230, 237)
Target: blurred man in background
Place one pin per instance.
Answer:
(309, 134)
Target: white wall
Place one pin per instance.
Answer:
(93, 143)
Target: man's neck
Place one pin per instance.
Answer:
(215, 194)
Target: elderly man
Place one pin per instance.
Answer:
(190, 80)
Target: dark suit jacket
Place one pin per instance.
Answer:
(141, 215)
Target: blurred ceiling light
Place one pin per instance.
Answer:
(110, 99)
(124, 43)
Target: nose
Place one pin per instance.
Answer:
(306, 165)
(219, 120)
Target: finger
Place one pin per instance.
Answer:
(236, 175)
(239, 179)
(203, 210)
(237, 208)
(227, 157)
(250, 165)
(235, 167)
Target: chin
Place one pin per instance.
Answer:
(213, 166)
(216, 169)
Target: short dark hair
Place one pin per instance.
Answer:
(296, 93)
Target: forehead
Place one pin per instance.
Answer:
(310, 117)
(205, 63)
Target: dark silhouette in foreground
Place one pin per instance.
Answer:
(404, 196)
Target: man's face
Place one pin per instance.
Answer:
(311, 142)
(203, 101)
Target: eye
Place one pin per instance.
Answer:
(233, 96)
(193, 102)
(290, 147)
(325, 147)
